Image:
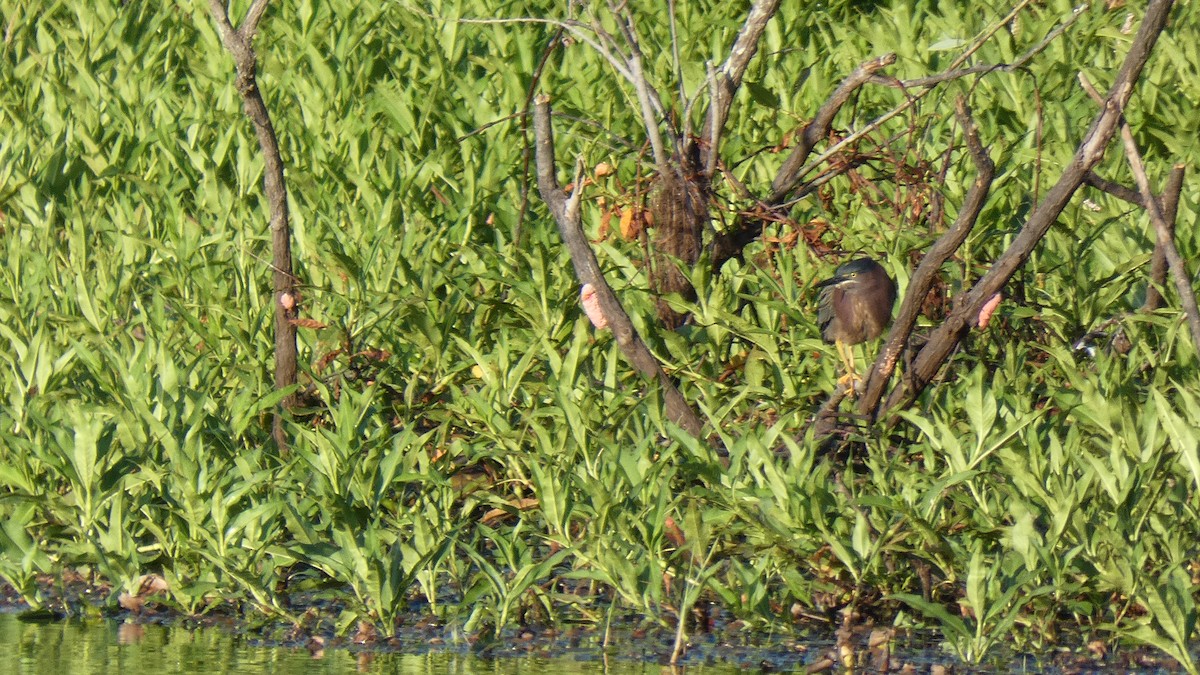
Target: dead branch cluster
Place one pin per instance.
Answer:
(687, 165)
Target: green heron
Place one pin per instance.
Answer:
(855, 305)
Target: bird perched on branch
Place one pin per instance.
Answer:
(855, 305)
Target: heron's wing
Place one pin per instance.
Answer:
(830, 296)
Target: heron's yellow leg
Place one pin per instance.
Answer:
(851, 379)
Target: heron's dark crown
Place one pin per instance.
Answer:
(856, 267)
(848, 274)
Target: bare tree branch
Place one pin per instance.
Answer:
(867, 72)
(954, 72)
(714, 131)
(1166, 240)
(604, 47)
(1115, 189)
(825, 421)
(789, 174)
(730, 74)
(249, 26)
(239, 42)
(1158, 262)
(578, 30)
(729, 244)
(587, 270)
(947, 336)
(229, 35)
(1169, 204)
(927, 272)
(686, 130)
(645, 93)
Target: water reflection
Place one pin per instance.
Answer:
(97, 647)
(130, 633)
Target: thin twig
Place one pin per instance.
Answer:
(729, 244)
(954, 72)
(987, 35)
(526, 146)
(643, 89)
(686, 130)
(791, 171)
(1115, 189)
(1179, 274)
(714, 131)
(578, 30)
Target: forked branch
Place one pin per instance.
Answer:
(1165, 235)
(728, 78)
(587, 270)
(240, 43)
(786, 186)
(927, 272)
(1158, 262)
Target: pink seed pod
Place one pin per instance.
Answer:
(591, 307)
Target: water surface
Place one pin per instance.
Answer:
(113, 647)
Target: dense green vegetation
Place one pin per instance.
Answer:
(468, 438)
